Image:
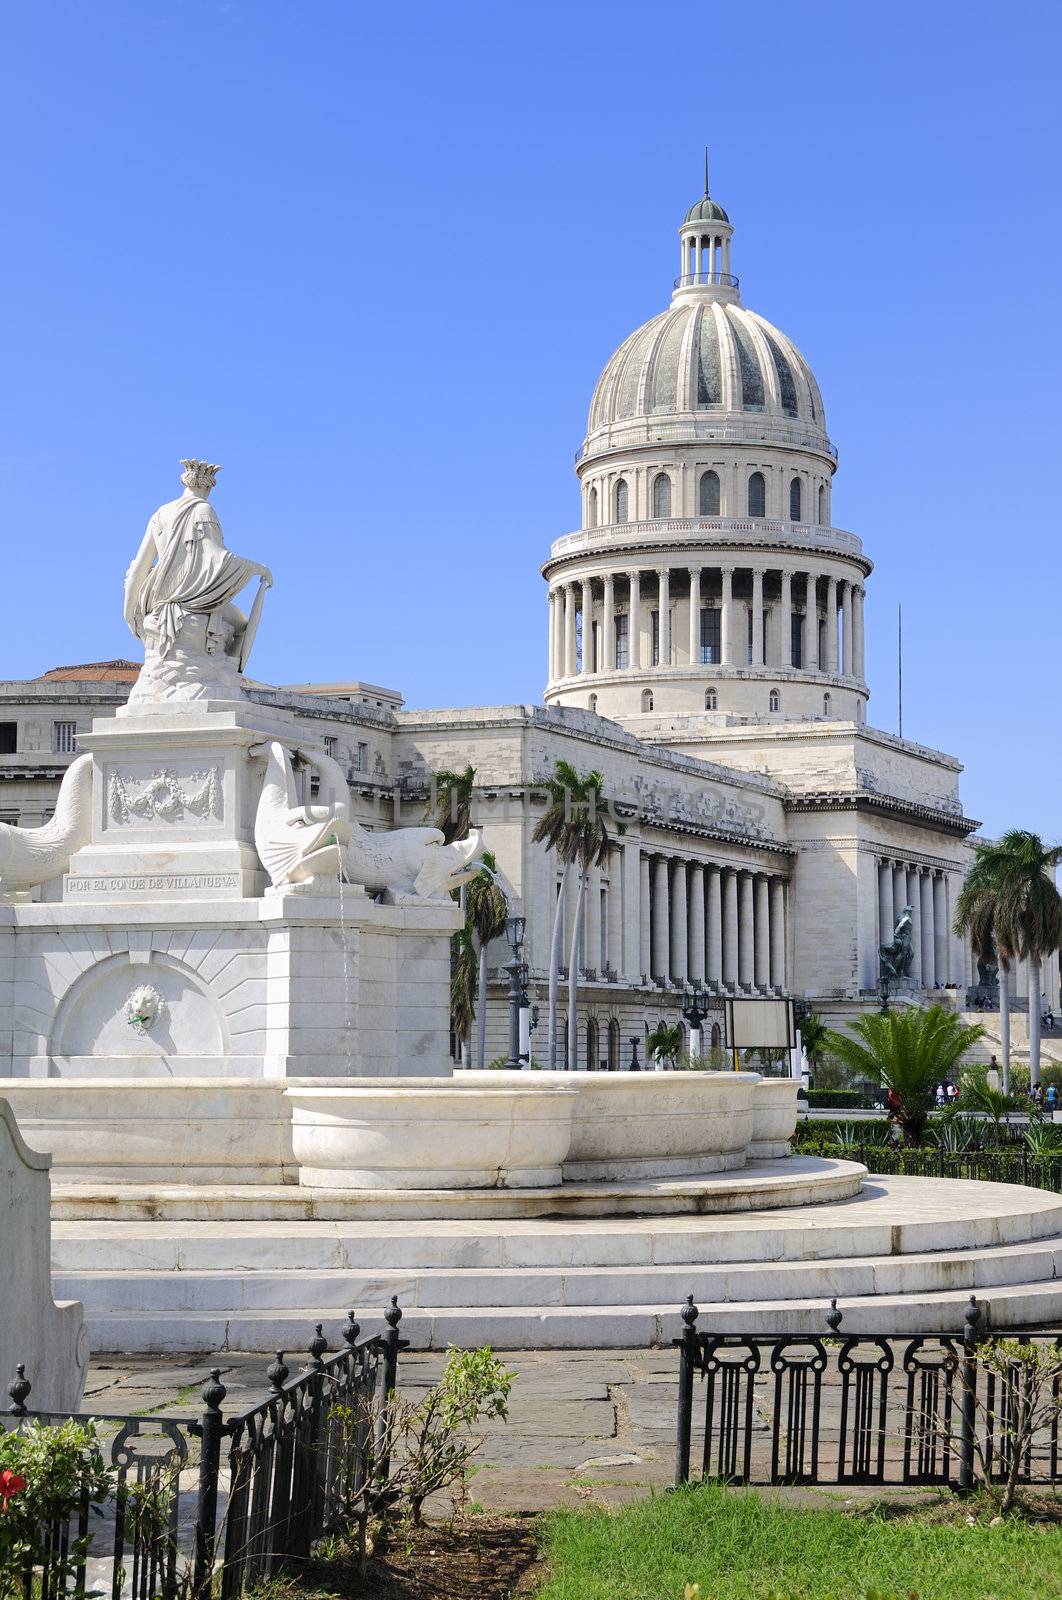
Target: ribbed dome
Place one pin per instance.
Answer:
(706, 210)
(707, 356)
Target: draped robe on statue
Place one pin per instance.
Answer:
(192, 569)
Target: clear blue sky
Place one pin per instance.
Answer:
(372, 259)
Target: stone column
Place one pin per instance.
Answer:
(730, 929)
(831, 624)
(634, 622)
(914, 900)
(661, 954)
(645, 956)
(587, 664)
(757, 617)
(608, 628)
(569, 631)
(858, 636)
(846, 606)
(899, 896)
(886, 915)
(728, 622)
(940, 929)
(592, 921)
(552, 655)
(625, 955)
(664, 615)
(762, 948)
(696, 925)
(679, 918)
(746, 931)
(614, 911)
(786, 622)
(695, 616)
(777, 933)
(713, 921)
(925, 888)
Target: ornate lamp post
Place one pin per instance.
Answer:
(695, 1011)
(516, 967)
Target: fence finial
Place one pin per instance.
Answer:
(318, 1346)
(19, 1391)
(277, 1373)
(352, 1330)
(689, 1312)
(393, 1314)
(971, 1317)
(833, 1316)
(215, 1391)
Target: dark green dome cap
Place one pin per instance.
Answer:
(706, 210)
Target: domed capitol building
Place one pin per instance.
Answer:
(705, 654)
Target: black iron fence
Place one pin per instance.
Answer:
(1012, 1164)
(870, 1409)
(211, 1504)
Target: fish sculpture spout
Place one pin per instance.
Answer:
(295, 842)
(31, 856)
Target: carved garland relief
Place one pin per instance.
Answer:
(165, 797)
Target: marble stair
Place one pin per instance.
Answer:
(903, 1256)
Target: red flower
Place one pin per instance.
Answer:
(10, 1485)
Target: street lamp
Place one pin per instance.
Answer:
(695, 1011)
(516, 967)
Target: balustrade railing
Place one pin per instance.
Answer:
(721, 530)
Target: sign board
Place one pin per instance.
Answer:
(759, 1024)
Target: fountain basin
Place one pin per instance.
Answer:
(774, 1117)
(416, 1134)
(632, 1125)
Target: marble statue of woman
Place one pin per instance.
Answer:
(178, 599)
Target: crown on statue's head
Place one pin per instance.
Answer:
(200, 474)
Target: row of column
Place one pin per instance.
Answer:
(927, 891)
(843, 648)
(711, 924)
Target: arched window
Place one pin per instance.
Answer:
(592, 1062)
(716, 1037)
(708, 495)
(822, 505)
(711, 700)
(661, 495)
(622, 500)
(757, 495)
(614, 1045)
(647, 699)
(773, 702)
(593, 702)
(591, 511)
(826, 704)
(795, 497)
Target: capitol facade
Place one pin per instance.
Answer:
(706, 655)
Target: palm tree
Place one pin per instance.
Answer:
(486, 909)
(452, 811)
(909, 1052)
(664, 1043)
(1010, 896)
(975, 915)
(813, 1035)
(462, 987)
(574, 826)
(1028, 915)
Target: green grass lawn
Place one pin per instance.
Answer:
(747, 1547)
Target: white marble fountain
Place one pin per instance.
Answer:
(224, 1013)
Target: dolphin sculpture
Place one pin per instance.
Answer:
(414, 861)
(29, 856)
(294, 842)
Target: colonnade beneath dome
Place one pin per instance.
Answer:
(693, 920)
(938, 956)
(698, 615)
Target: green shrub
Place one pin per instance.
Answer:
(824, 1130)
(836, 1099)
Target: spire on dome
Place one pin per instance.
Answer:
(705, 245)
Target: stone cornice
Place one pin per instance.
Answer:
(883, 804)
